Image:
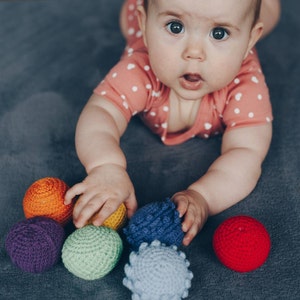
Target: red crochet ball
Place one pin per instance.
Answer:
(242, 243)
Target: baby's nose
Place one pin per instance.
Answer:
(194, 50)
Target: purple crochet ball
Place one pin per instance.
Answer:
(34, 245)
(155, 221)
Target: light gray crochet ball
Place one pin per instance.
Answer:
(158, 272)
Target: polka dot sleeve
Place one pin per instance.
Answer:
(128, 85)
(248, 101)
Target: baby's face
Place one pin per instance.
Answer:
(197, 46)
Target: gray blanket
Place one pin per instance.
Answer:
(52, 54)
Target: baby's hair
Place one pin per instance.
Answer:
(256, 9)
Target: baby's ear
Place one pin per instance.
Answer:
(255, 35)
(142, 17)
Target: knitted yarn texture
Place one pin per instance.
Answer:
(92, 252)
(117, 219)
(242, 243)
(45, 197)
(34, 245)
(155, 221)
(158, 272)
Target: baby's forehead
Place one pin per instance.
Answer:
(206, 8)
(251, 4)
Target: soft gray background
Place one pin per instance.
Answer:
(52, 54)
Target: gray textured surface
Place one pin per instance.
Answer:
(52, 54)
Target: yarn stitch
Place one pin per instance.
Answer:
(92, 252)
(117, 219)
(158, 272)
(155, 221)
(242, 243)
(34, 245)
(45, 197)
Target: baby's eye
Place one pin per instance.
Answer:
(219, 33)
(175, 27)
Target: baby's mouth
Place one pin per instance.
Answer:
(191, 81)
(192, 77)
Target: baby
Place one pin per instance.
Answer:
(189, 69)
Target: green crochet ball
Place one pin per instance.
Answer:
(92, 252)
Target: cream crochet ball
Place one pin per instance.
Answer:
(157, 272)
(92, 252)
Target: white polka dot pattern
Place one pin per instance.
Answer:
(134, 88)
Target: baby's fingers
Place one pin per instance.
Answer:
(193, 222)
(74, 191)
(190, 234)
(190, 226)
(108, 208)
(86, 206)
(181, 203)
(131, 205)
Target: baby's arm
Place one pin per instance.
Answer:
(107, 184)
(228, 180)
(270, 14)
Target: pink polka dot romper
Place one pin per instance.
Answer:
(134, 89)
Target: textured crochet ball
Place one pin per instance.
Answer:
(34, 245)
(92, 252)
(155, 221)
(45, 197)
(117, 219)
(242, 243)
(157, 272)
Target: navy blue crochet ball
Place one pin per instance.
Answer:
(155, 221)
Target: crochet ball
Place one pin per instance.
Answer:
(117, 219)
(45, 197)
(34, 245)
(155, 221)
(92, 252)
(242, 243)
(158, 271)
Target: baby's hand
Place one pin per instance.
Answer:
(100, 194)
(194, 208)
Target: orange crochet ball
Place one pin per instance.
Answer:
(45, 197)
(242, 243)
(117, 219)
